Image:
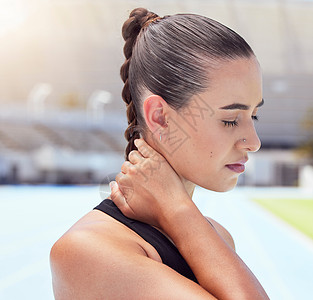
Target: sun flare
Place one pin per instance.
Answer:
(13, 13)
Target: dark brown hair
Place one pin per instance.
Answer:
(171, 57)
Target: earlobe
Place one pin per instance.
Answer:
(155, 110)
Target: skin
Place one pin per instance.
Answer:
(209, 145)
(156, 187)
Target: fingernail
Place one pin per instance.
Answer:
(135, 142)
(112, 184)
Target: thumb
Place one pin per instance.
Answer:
(116, 195)
(120, 201)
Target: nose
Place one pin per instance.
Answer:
(249, 141)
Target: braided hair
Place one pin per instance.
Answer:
(171, 57)
(138, 19)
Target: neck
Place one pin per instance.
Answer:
(189, 186)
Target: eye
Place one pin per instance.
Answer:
(230, 123)
(235, 123)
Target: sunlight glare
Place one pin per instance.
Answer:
(12, 14)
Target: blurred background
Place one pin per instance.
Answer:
(62, 118)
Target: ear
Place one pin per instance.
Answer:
(155, 111)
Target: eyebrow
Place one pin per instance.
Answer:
(241, 106)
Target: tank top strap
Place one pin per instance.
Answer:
(168, 252)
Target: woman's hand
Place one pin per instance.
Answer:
(149, 190)
(148, 187)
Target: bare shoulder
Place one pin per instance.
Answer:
(97, 229)
(223, 232)
(100, 258)
(95, 244)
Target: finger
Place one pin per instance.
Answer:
(116, 195)
(148, 152)
(120, 201)
(144, 148)
(125, 166)
(135, 157)
(124, 185)
(118, 177)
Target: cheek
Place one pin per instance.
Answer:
(200, 155)
(207, 146)
(196, 151)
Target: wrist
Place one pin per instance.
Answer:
(178, 216)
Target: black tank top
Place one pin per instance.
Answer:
(168, 252)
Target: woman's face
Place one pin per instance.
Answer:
(208, 141)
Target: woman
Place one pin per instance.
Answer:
(192, 89)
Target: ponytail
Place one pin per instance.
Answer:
(138, 19)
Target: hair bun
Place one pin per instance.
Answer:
(142, 15)
(137, 20)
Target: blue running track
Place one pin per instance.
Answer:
(32, 218)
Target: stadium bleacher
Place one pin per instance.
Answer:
(83, 55)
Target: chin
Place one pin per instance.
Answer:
(223, 186)
(229, 185)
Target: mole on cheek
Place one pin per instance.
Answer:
(211, 154)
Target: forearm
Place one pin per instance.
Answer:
(216, 266)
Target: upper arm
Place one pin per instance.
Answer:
(86, 267)
(223, 233)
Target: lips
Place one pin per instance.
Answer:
(238, 166)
